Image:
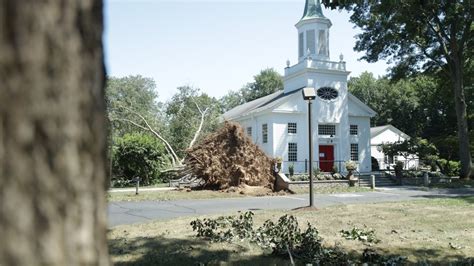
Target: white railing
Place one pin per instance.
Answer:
(316, 64)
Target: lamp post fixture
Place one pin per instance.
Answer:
(309, 94)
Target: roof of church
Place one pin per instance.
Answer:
(312, 9)
(273, 99)
(375, 131)
(245, 108)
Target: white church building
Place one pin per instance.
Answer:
(278, 122)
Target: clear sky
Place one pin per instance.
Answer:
(216, 46)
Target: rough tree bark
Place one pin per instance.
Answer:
(52, 133)
(461, 114)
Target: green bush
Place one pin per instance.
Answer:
(316, 171)
(334, 170)
(449, 168)
(138, 155)
(291, 169)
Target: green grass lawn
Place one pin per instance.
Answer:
(437, 230)
(208, 194)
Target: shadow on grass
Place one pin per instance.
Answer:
(424, 256)
(193, 251)
(451, 199)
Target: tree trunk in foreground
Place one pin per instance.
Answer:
(52, 133)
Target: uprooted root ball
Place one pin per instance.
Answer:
(228, 158)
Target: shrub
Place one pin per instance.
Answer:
(316, 171)
(449, 168)
(398, 168)
(138, 155)
(334, 169)
(351, 165)
(291, 169)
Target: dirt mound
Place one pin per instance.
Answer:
(229, 158)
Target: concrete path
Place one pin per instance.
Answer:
(115, 190)
(145, 211)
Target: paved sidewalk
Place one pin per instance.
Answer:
(145, 211)
(118, 190)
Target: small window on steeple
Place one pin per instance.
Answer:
(322, 43)
(301, 44)
(311, 41)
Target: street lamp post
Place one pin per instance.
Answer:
(309, 94)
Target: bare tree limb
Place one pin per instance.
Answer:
(154, 132)
(170, 152)
(147, 127)
(201, 123)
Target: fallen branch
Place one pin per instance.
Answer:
(198, 131)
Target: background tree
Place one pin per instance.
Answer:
(398, 103)
(266, 82)
(435, 38)
(134, 92)
(231, 100)
(52, 133)
(184, 113)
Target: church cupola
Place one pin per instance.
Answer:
(313, 32)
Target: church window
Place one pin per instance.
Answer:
(265, 133)
(354, 130)
(301, 44)
(311, 41)
(249, 131)
(292, 128)
(354, 152)
(327, 93)
(292, 152)
(326, 130)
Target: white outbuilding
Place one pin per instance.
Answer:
(389, 134)
(341, 122)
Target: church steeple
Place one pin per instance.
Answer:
(313, 32)
(312, 10)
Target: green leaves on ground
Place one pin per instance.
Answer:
(284, 237)
(365, 235)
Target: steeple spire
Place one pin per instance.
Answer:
(313, 10)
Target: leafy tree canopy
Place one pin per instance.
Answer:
(183, 113)
(266, 82)
(400, 103)
(134, 92)
(421, 36)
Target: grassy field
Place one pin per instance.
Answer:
(438, 230)
(207, 194)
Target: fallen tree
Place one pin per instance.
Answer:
(229, 158)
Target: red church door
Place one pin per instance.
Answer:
(326, 158)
